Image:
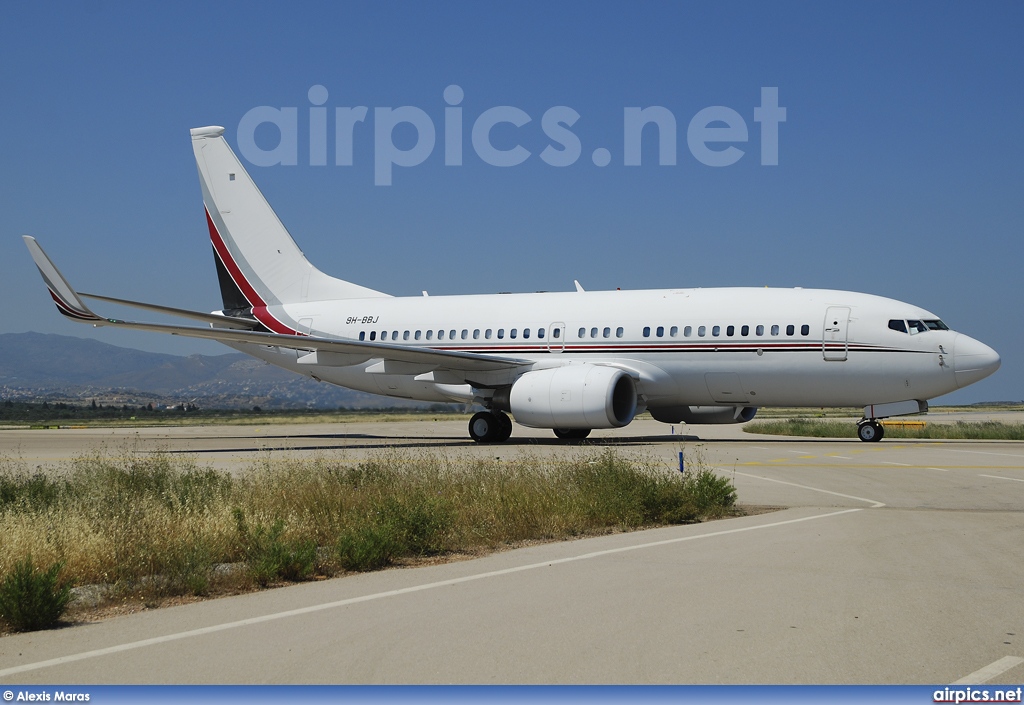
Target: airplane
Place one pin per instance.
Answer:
(567, 361)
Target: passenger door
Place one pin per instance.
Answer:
(834, 343)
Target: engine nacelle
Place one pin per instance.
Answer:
(574, 396)
(703, 414)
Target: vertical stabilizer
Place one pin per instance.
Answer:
(258, 262)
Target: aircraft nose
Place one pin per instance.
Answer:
(973, 360)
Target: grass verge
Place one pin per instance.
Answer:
(960, 430)
(157, 525)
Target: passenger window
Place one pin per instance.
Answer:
(687, 331)
(805, 329)
(760, 330)
(512, 333)
(673, 331)
(583, 333)
(730, 331)
(775, 330)
(430, 334)
(790, 329)
(715, 330)
(526, 332)
(501, 333)
(373, 335)
(661, 331)
(405, 335)
(487, 334)
(383, 335)
(607, 332)
(417, 336)
(647, 331)
(619, 332)
(745, 331)
(476, 334)
(701, 330)
(451, 335)
(556, 333)
(540, 333)
(593, 332)
(465, 333)
(362, 335)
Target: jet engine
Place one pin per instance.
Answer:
(703, 414)
(574, 396)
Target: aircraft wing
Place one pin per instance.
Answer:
(70, 304)
(216, 319)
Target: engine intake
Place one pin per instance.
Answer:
(575, 396)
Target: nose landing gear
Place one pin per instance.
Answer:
(870, 430)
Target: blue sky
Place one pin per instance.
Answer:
(900, 164)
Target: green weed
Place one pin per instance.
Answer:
(32, 599)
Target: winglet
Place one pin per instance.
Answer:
(67, 299)
(579, 287)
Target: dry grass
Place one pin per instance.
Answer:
(960, 430)
(157, 525)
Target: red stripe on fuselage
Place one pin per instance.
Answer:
(259, 306)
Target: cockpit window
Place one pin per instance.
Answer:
(915, 327)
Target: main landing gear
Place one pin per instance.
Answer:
(870, 430)
(490, 427)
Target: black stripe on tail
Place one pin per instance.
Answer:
(229, 292)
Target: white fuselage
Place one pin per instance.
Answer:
(731, 346)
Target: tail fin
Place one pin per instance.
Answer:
(258, 262)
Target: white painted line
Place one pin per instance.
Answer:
(843, 457)
(887, 462)
(999, 477)
(393, 593)
(982, 452)
(874, 503)
(939, 469)
(984, 675)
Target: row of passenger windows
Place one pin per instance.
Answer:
(454, 334)
(915, 327)
(595, 332)
(730, 331)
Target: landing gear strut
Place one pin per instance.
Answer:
(870, 430)
(490, 427)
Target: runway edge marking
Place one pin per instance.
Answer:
(984, 675)
(875, 504)
(394, 593)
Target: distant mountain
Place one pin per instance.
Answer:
(64, 368)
